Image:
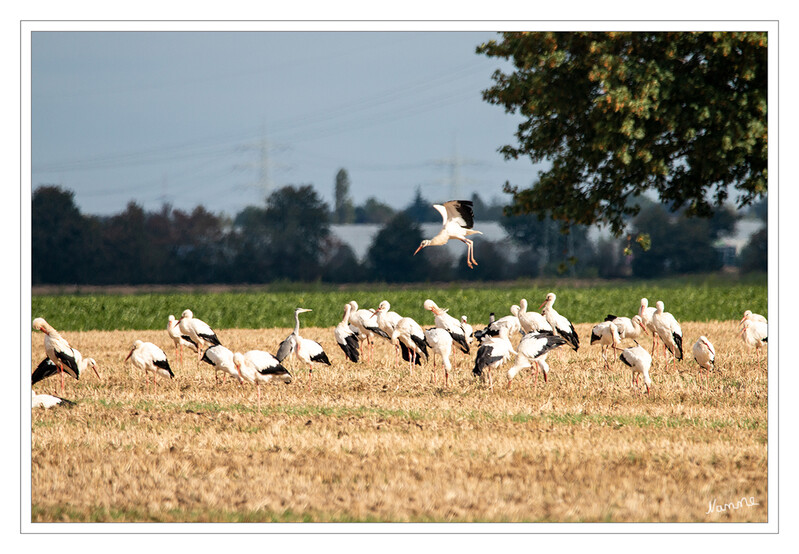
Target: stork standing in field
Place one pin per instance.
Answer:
(307, 350)
(646, 314)
(180, 340)
(640, 361)
(150, 358)
(749, 316)
(754, 333)
(467, 330)
(58, 350)
(47, 368)
(532, 322)
(258, 366)
(449, 324)
(440, 342)
(560, 324)
(533, 350)
(387, 322)
(198, 332)
(705, 355)
(668, 330)
(221, 359)
(47, 401)
(607, 335)
(458, 217)
(412, 341)
(362, 319)
(347, 336)
(629, 328)
(509, 322)
(494, 352)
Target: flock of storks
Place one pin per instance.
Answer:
(358, 329)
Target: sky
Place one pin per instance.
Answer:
(219, 119)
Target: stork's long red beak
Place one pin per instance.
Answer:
(542, 304)
(129, 354)
(417, 250)
(98, 373)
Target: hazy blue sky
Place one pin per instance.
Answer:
(186, 117)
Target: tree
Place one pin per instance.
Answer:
(296, 225)
(373, 211)
(390, 257)
(617, 114)
(344, 210)
(421, 210)
(754, 256)
(679, 244)
(63, 242)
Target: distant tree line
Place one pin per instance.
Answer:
(289, 238)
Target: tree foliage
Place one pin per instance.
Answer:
(344, 210)
(617, 114)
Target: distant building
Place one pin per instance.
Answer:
(729, 248)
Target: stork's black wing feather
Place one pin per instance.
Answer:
(625, 360)
(44, 370)
(164, 364)
(406, 354)
(350, 348)
(212, 338)
(465, 210)
(69, 363)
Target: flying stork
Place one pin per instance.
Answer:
(458, 220)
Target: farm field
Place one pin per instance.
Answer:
(372, 443)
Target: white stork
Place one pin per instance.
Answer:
(494, 352)
(362, 319)
(749, 316)
(606, 334)
(646, 314)
(560, 324)
(221, 359)
(197, 331)
(629, 328)
(449, 324)
(58, 350)
(754, 333)
(532, 322)
(467, 329)
(509, 322)
(150, 358)
(668, 330)
(705, 355)
(347, 335)
(47, 401)
(533, 349)
(640, 361)
(413, 344)
(47, 368)
(180, 340)
(387, 322)
(306, 350)
(440, 342)
(258, 366)
(458, 221)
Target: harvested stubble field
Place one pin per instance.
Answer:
(372, 443)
